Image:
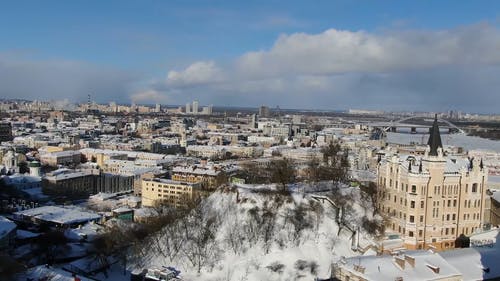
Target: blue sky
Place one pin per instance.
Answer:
(133, 50)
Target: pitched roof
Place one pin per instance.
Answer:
(6, 226)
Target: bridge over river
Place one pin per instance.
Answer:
(400, 125)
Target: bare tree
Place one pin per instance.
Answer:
(114, 243)
(252, 173)
(371, 192)
(282, 172)
(51, 245)
(335, 163)
(235, 236)
(200, 247)
(268, 227)
(314, 170)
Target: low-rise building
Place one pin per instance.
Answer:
(170, 192)
(479, 262)
(66, 181)
(7, 232)
(414, 265)
(210, 176)
(23, 182)
(56, 216)
(87, 181)
(66, 158)
(5, 132)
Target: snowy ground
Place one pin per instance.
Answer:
(300, 245)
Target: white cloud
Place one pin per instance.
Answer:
(200, 72)
(339, 51)
(412, 68)
(148, 96)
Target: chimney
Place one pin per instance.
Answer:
(434, 268)
(410, 260)
(359, 268)
(400, 261)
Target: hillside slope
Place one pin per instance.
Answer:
(255, 233)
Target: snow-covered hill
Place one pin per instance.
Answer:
(254, 233)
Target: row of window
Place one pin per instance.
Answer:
(435, 214)
(447, 189)
(446, 203)
(472, 204)
(171, 187)
(475, 216)
(444, 231)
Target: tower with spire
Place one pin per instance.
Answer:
(431, 199)
(434, 141)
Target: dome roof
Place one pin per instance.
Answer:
(33, 164)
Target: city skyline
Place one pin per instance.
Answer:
(331, 55)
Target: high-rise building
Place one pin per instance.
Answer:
(188, 107)
(264, 111)
(195, 107)
(253, 121)
(431, 200)
(113, 107)
(206, 110)
(157, 107)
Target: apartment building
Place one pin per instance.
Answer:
(432, 199)
(209, 176)
(171, 192)
(88, 181)
(67, 158)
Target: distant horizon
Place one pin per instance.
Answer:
(272, 108)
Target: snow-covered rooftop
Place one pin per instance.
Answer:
(57, 214)
(20, 178)
(6, 226)
(414, 265)
(478, 263)
(196, 170)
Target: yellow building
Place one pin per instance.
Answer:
(210, 176)
(432, 199)
(170, 192)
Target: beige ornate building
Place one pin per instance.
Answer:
(432, 199)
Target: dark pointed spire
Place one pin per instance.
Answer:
(481, 164)
(434, 138)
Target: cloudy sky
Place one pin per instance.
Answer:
(422, 55)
